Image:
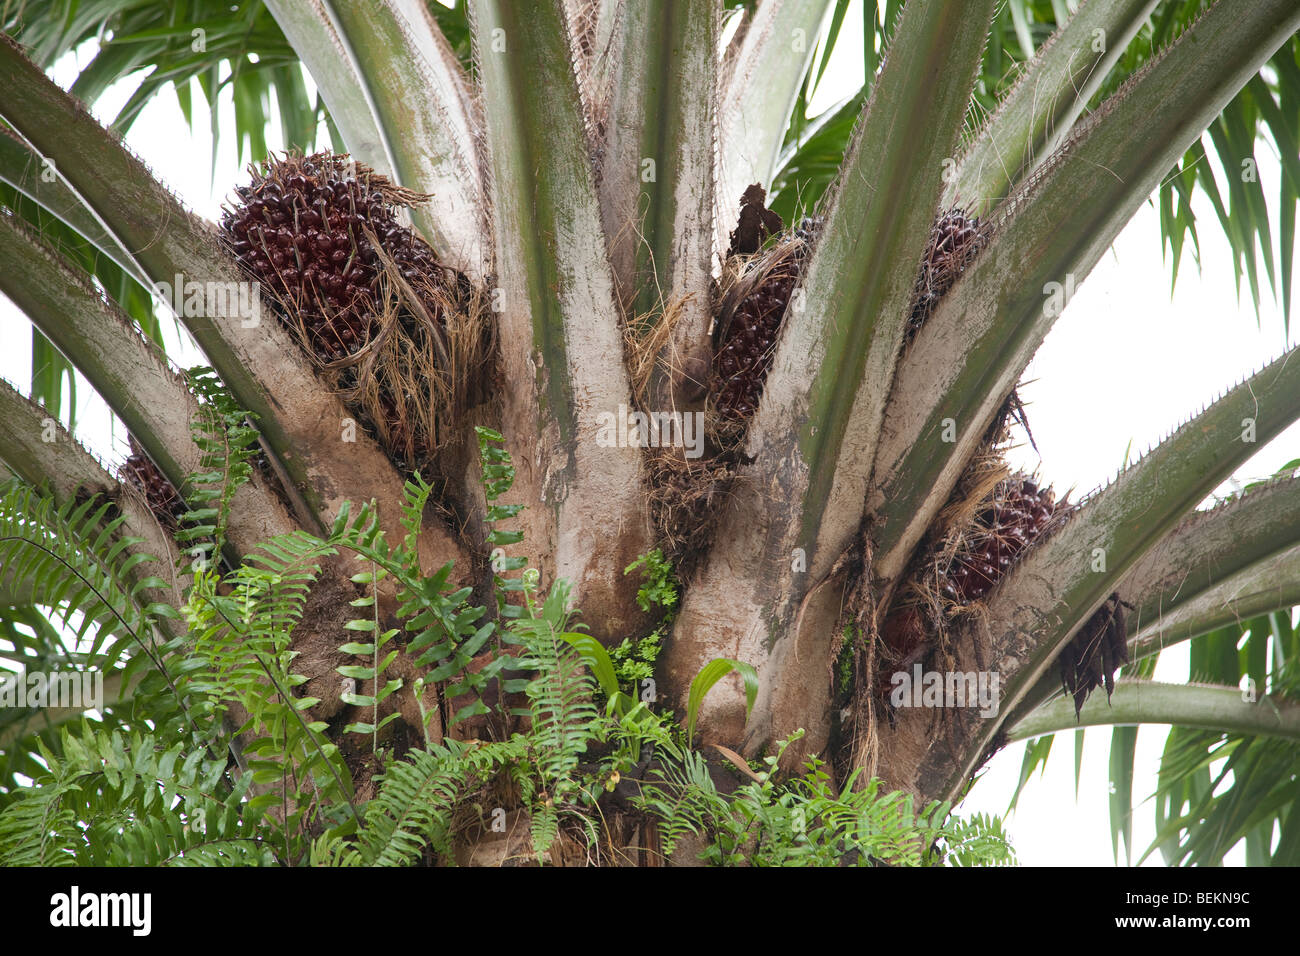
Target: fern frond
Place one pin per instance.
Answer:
(227, 442)
(413, 808)
(77, 563)
(113, 800)
(561, 694)
(241, 651)
(445, 631)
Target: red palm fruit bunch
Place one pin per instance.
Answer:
(955, 238)
(964, 567)
(306, 228)
(752, 310)
(965, 563)
(139, 472)
(364, 293)
(1017, 514)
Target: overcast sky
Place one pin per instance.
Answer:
(1124, 365)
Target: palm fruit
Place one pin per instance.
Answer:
(750, 318)
(1094, 654)
(955, 238)
(160, 495)
(744, 347)
(962, 567)
(1017, 514)
(303, 229)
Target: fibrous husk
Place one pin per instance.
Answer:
(683, 492)
(422, 364)
(645, 347)
(685, 497)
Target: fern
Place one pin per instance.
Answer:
(413, 809)
(412, 812)
(659, 587)
(498, 477)
(110, 800)
(805, 822)
(683, 799)
(374, 671)
(77, 562)
(226, 441)
(561, 695)
(979, 841)
(446, 633)
(448, 636)
(564, 718)
(159, 788)
(241, 655)
(97, 613)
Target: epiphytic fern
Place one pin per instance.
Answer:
(241, 636)
(445, 630)
(226, 440)
(805, 821)
(418, 795)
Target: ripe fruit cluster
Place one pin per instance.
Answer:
(160, 495)
(746, 336)
(403, 338)
(307, 229)
(955, 238)
(1017, 514)
(749, 321)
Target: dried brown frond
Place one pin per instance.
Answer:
(645, 343)
(685, 497)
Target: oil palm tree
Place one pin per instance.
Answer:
(583, 166)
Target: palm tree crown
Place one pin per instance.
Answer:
(591, 314)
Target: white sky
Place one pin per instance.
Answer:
(1125, 364)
